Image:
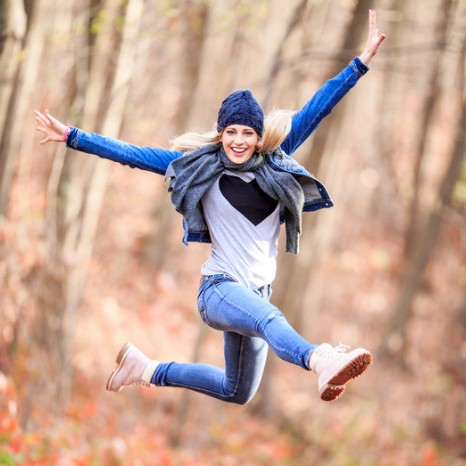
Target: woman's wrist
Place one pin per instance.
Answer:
(365, 58)
(66, 133)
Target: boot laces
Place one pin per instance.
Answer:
(139, 382)
(334, 352)
(341, 348)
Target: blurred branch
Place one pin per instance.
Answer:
(348, 53)
(277, 62)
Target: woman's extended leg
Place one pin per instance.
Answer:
(244, 365)
(245, 358)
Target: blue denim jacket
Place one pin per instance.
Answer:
(305, 121)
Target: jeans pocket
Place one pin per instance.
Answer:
(201, 307)
(203, 314)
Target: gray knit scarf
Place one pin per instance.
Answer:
(192, 174)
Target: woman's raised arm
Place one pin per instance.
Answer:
(306, 120)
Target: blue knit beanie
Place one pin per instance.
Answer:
(241, 108)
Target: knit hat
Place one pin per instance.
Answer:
(241, 108)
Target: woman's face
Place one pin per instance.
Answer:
(239, 143)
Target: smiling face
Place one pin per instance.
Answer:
(239, 143)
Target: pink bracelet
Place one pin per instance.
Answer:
(66, 133)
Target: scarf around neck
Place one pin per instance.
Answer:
(192, 174)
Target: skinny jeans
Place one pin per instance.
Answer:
(250, 323)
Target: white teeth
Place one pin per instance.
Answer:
(238, 151)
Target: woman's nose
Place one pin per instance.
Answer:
(239, 139)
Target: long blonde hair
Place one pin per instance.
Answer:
(277, 125)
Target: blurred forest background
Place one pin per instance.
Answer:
(91, 254)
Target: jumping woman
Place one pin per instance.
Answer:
(234, 187)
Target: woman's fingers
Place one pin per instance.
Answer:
(53, 121)
(43, 123)
(40, 118)
(47, 119)
(374, 37)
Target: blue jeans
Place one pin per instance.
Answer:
(250, 323)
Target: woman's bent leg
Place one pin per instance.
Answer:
(226, 305)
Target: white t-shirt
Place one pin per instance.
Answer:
(244, 224)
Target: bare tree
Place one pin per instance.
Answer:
(394, 339)
(18, 78)
(79, 184)
(277, 61)
(12, 33)
(427, 115)
(192, 21)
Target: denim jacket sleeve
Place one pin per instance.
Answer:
(146, 158)
(306, 120)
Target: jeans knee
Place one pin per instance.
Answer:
(242, 398)
(275, 317)
(242, 395)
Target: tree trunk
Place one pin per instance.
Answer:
(79, 182)
(12, 32)
(427, 114)
(277, 61)
(193, 18)
(394, 338)
(182, 412)
(19, 77)
(390, 99)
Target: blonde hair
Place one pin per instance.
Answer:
(277, 125)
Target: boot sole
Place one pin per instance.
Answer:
(335, 387)
(120, 359)
(332, 392)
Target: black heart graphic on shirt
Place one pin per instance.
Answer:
(247, 198)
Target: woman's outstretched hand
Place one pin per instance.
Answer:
(53, 129)
(374, 39)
